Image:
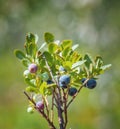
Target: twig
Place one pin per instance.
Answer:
(51, 125)
(77, 92)
(65, 107)
(52, 107)
(46, 105)
(29, 98)
(74, 96)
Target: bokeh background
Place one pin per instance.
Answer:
(94, 24)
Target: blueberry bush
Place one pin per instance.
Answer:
(55, 74)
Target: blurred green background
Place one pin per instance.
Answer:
(94, 24)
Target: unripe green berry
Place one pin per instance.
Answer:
(30, 110)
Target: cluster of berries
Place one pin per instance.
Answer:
(64, 82)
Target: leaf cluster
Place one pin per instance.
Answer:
(55, 59)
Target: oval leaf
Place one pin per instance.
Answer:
(88, 60)
(75, 46)
(31, 89)
(106, 67)
(19, 54)
(66, 43)
(48, 37)
(42, 46)
(30, 38)
(78, 64)
(52, 47)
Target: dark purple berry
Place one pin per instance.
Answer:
(49, 81)
(72, 91)
(40, 105)
(33, 68)
(91, 83)
(83, 80)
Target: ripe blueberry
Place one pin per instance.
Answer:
(64, 80)
(32, 68)
(40, 105)
(83, 80)
(72, 91)
(91, 83)
(49, 81)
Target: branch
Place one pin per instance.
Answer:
(77, 92)
(74, 96)
(41, 112)
(52, 107)
(29, 98)
(65, 107)
(46, 105)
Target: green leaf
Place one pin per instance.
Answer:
(105, 67)
(42, 46)
(66, 52)
(36, 38)
(77, 64)
(32, 49)
(43, 87)
(52, 47)
(59, 58)
(45, 76)
(66, 43)
(25, 62)
(19, 54)
(48, 57)
(48, 37)
(42, 63)
(98, 62)
(67, 64)
(75, 46)
(88, 60)
(31, 89)
(30, 82)
(30, 38)
(74, 57)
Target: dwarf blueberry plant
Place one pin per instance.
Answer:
(58, 71)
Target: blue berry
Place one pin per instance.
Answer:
(91, 83)
(62, 84)
(32, 68)
(83, 80)
(72, 91)
(49, 81)
(64, 80)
